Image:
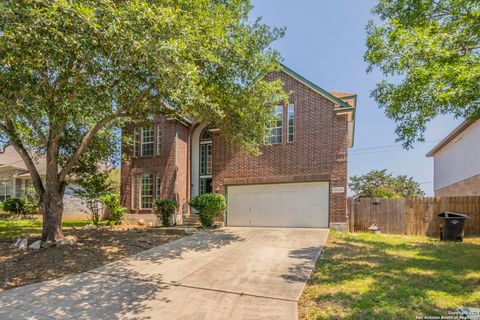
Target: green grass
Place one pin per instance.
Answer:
(13, 228)
(366, 276)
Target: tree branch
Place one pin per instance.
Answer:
(87, 139)
(36, 128)
(9, 129)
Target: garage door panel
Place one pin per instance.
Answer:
(302, 204)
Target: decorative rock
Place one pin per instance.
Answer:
(36, 245)
(22, 244)
(48, 244)
(150, 224)
(70, 239)
(141, 222)
(15, 245)
(218, 225)
(62, 242)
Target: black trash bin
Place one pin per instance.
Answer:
(452, 226)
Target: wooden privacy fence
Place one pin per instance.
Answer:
(416, 216)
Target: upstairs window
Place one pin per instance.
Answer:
(147, 191)
(291, 122)
(274, 132)
(159, 138)
(135, 142)
(147, 141)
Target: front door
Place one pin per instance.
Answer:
(205, 179)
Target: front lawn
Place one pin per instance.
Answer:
(366, 276)
(13, 228)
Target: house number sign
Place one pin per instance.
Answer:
(338, 190)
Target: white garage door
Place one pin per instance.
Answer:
(300, 204)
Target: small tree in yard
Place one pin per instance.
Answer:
(73, 71)
(112, 201)
(380, 184)
(209, 206)
(92, 188)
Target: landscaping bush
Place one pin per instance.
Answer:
(112, 201)
(209, 206)
(166, 208)
(32, 202)
(25, 206)
(14, 205)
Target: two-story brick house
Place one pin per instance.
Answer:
(299, 180)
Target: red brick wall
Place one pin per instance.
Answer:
(467, 187)
(319, 152)
(163, 164)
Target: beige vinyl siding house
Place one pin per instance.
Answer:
(456, 161)
(15, 179)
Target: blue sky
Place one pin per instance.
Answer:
(325, 42)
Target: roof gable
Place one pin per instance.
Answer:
(315, 88)
(450, 137)
(345, 102)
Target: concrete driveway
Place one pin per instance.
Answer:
(234, 273)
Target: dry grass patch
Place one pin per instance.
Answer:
(94, 248)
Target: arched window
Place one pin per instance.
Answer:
(206, 135)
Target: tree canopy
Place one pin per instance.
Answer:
(73, 71)
(380, 184)
(430, 52)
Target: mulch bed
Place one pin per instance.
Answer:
(94, 248)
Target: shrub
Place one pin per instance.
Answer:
(32, 202)
(14, 205)
(112, 201)
(166, 208)
(209, 206)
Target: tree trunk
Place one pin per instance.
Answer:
(52, 209)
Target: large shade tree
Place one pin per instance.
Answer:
(72, 71)
(430, 52)
(381, 184)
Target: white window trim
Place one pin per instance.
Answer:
(142, 143)
(3, 190)
(268, 139)
(293, 127)
(159, 139)
(141, 191)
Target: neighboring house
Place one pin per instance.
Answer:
(15, 179)
(299, 180)
(456, 162)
